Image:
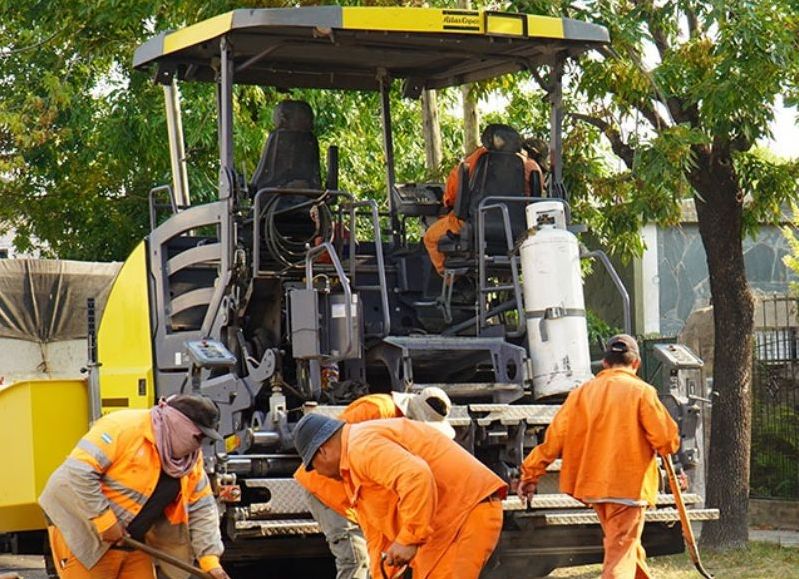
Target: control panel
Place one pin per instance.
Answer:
(677, 356)
(208, 353)
(417, 200)
(682, 394)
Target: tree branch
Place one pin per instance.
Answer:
(658, 34)
(650, 114)
(693, 23)
(620, 148)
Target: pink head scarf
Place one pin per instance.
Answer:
(176, 438)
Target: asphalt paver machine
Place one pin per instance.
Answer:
(272, 301)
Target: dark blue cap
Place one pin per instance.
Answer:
(311, 432)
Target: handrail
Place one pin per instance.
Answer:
(483, 209)
(152, 206)
(498, 203)
(313, 254)
(381, 265)
(614, 276)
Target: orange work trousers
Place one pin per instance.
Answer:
(469, 551)
(115, 564)
(622, 526)
(435, 232)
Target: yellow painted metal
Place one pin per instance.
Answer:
(413, 20)
(124, 345)
(196, 33)
(506, 24)
(393, 19)
(40, 423)
(544, 27)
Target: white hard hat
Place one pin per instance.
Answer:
(426, 407)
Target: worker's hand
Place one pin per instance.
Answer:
(682, 480)
(218, 573)
(114, 534)
(526, 489)
(398, 554)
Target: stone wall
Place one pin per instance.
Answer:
(683, 278)
(774, 514)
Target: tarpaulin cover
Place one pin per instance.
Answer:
(45, 300)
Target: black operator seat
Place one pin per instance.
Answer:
(498, 173)
(290, 159)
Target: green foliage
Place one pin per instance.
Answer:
(598, 329)
(775, 446)
(790, 232)
(83, 138)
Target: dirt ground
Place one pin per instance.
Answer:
(27, 566)
(759, 561)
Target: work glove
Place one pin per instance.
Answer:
(526, 490)
(682, 480)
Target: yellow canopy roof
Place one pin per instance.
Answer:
(350, 47)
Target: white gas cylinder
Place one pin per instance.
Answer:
(557, 331)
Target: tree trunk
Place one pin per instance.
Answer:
(471, 122)
(720, 213)
(432, 131)
(471, 131)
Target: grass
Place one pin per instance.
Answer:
(758, 561)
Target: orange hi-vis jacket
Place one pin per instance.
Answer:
(330, 491)
(607, 433)
(411, 484)
(452, 187)
(108, 478)
(450, 221)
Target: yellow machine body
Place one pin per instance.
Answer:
(124, 339)
(40, 423)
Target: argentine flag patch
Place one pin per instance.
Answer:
(106, 438)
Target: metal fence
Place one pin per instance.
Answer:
(775, 399)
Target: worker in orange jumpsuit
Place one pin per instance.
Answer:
(608, 433)
(493, 138)
(421, 499)
(136, 473)
(327, 497)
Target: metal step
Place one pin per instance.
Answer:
(276, 527)
(472, 389)
(286, 497)
(563, 501)
(509, 415)
(651, 516)
(460, 415)
(273, 528)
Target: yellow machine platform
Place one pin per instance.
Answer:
(40, 423)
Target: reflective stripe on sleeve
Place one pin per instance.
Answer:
(201, 484)
(79, 465)
(199, 503)
(94, 451)
(122, 513)
(127, 491)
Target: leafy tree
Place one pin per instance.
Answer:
(83, 136)
(82, 140)
(717, 68)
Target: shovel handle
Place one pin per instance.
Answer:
(166, 557)
(685, 523)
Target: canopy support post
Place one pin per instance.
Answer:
(556, 188)
(225, 110)
(388, 146)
